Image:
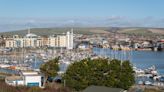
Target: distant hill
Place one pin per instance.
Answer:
(93, 30)
(51, 31)
(142, 31)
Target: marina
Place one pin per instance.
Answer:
(33, 60)
(149, 74)
(147, 65)
(140, 59)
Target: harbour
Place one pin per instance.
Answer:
(145, 63)
(140, 59)
(148, 66)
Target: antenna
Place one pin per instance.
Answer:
(28, 30)
(72, 30)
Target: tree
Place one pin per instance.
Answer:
(127, 75)
(49, 69)
(101, 72)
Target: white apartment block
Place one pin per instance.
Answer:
(32, 40)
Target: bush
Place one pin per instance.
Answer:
(7, 88)
(35, 89)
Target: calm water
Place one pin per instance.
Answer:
(141, 59)
(34, 65)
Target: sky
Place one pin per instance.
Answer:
(17, 14)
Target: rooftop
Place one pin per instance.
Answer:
(31, 35)
(12, 78)
(31, 73)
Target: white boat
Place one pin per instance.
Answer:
(44, 58)
(154, 72)
(6, 61)
(4, 66)
(156, 77)
(67, 62)
(15, 62)
(148, 83)
(140, 82)
(139, 71)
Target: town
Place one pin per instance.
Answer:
(81, 46)
(23, 56)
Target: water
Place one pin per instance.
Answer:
(35, 65)
(8, 71)
(141, 59)
(63, 67)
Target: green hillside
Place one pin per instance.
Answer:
(94, 30)
(141, 31)
(50, 31)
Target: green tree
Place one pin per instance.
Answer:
(127, 76)
(50, 69)
(101, 72)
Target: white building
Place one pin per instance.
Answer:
(14, 80)
(33, 41)
(69, 40)
(28, 78)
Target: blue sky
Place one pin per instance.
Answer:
(120, 12)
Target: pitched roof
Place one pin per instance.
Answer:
(14, 78)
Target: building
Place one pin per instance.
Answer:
(26, 78)
(31, 40)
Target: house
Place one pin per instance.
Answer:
(14, 80)
(26, 78)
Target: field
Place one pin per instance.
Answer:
(142, 31)
(158, 31)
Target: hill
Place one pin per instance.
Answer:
(142, 31)
(50, 31)
(91, 30)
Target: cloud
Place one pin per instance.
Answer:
(116, 18)
(9, 24)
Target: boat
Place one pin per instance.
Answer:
(161, 79)
(156, 78)
(6, 61)
(148, 83)
(140, 82)
(139, 71)
(4, 66)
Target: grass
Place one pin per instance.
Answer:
(53, 88)
(152, 90)
(50, 31)
(81, 30)
(142, 31)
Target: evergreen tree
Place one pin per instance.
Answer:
(101, 72)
